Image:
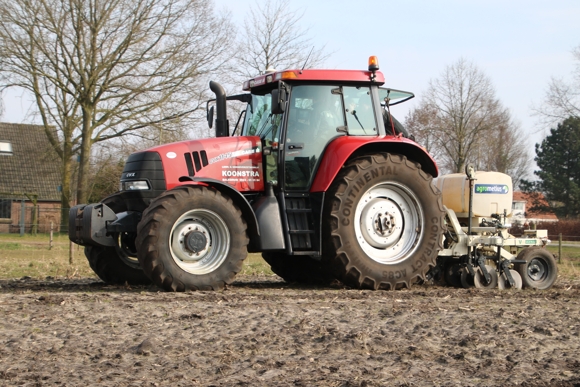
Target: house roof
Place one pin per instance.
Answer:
(525, 197)
(32, 167)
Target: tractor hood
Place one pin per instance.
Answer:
(236, 161)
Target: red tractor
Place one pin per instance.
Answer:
(317, 176)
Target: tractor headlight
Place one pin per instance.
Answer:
(136, 185)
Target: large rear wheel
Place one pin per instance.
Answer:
(192, 238)
(117, 265)
(386, 223)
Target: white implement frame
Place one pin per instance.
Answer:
(485, 240)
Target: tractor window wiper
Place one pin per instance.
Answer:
(259, 133)
(357, 120)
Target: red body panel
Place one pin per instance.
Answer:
(236, 161)
(339, 150)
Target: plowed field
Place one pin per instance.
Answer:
(261, 331)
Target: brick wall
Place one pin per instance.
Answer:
(47, 212)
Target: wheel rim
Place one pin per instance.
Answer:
(126, 249)
(199, 241)
(537, 269)
(388, 223)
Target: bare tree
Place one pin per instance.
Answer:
(504, 149)
(460, 120)
(423, 123)
(563, 97)
(273, 38)
(101, 69)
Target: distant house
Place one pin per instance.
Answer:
(29, 175)
(521, 213)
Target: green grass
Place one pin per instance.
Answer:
(32, 256)
(569, 262)
(9, 246)
(255, 265)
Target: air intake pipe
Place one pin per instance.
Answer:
(221, 121)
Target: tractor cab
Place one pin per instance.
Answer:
(298, 113)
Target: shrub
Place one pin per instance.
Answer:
(570, 229)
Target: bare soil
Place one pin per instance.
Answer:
(261, 331)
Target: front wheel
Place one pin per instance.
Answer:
(192, 238)
(111, 265)
(386, 223)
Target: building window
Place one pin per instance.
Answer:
(5, 148)
(5, 208)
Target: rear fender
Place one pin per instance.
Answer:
(344, 148)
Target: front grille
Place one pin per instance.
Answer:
(143, 166)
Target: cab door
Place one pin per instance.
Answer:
(315, 117)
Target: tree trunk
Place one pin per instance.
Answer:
(85, 156)
(65, 202)
(34, 228)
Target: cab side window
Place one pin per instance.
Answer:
(360, 117)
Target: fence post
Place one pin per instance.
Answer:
(50, 243)
(70, 253)
(560, 248)
(22, 215)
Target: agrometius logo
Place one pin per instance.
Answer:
(491, 189)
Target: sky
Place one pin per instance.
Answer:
(520, 45)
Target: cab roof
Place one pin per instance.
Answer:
(322, 75)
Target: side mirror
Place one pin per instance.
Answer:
(210, 117)
(279, 98)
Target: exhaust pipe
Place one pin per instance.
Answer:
(221, 121)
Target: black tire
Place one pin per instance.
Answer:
(402, 219)
(192, 238)
(117, 265)
(452, 275)
(540, 270)
(466, 278)
(298, 268)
